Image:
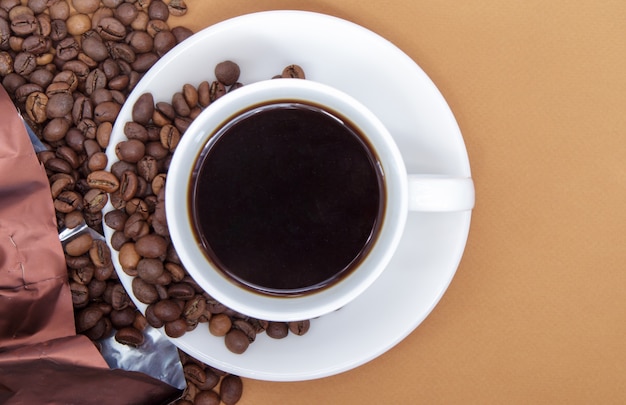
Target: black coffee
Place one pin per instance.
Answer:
(288, 198)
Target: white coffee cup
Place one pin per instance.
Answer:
(404, 192)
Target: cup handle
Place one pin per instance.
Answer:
(435, 193)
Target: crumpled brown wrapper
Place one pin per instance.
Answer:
(42, 360)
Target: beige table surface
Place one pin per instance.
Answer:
(537, 310)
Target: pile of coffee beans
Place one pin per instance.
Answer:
(69, 66)
(136, 186)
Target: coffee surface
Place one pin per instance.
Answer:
(287, 199)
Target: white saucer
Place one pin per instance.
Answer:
(370, 68)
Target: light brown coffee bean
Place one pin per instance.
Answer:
(79, 245)
(299, 327)
(151, 246)
(293, 72)
(220, 324)
(176, 328)
(100, 253)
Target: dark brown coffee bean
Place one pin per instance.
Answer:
(182, 291)
(294, 72)
(58, 165)
(246, 327)
(181, 33)
(277, 330)
(143, 109)
(60, 105)
(100, 253)
(55, 129)
(121, 318)
(74, 219)
(130, 336)
(176, 328)
(136, 226)
(131, 150)
(299, 327)
(12, 81)
(24, 63)
(157, 10)
(111, 29)
(151, 246)
(82, 109)
(116, 219)
(80, 294)
(58, 30)
(103, 180)
(82, 275)
(194, 307)
(227, 72)
(42, 77)
(129, 184)
(167, 310)
(231, 389)
(24, 24)
(97, 161)
(106, 112)
(236, 341)
(99, 330)
(194, 373)
(144, 292)
(95, 200)
(147, 168)
(216, 90)
(206, 397)
(119, 298)
(179, 103)
(87, 318)
(150, 270)
(24, 90)
(67, 49)
(145, 61)
(122, 53)
(220, 324)
(36, 44)
(68, 201)
(164, 41)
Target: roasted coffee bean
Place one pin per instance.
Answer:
(294, 72)
(111, 29)
(167, 310)
(150, 270)
(36, 44)
(103, 180)
(143, 109)
(87, 318)
(194, 307)
(116, 219)
(100, 253)
(121, 318)
(37, 107)
(136, 226)
(68, 201)
(181, 33)
(95, 200)
(24, 24)
(107, 112)
(131, 150)
(176, 328)
(82, 275)
(207, 397)
(277, 330)
(194, 373)
(74, 219)
(99, 330)
(119, 298)
(216, 90)
(236, 341)
(246, 327)
(157, 10)
(24, 63)
(164, 41)
(130, 336)
(144, 292)
(129, 184)
(129, 258)
(97, 161)
(59, 105)
(55, 129)
(151, 246)
(78, 24)
(299, 327)
(67, 49)
(58, 30)
(227, 72)
(220, 324)
(231, 389)
(80, 294)
(147, 168)
(170, 137)
(182, 291)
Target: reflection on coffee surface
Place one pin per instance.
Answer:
(287, 199)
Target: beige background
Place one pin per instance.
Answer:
(537, 310)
